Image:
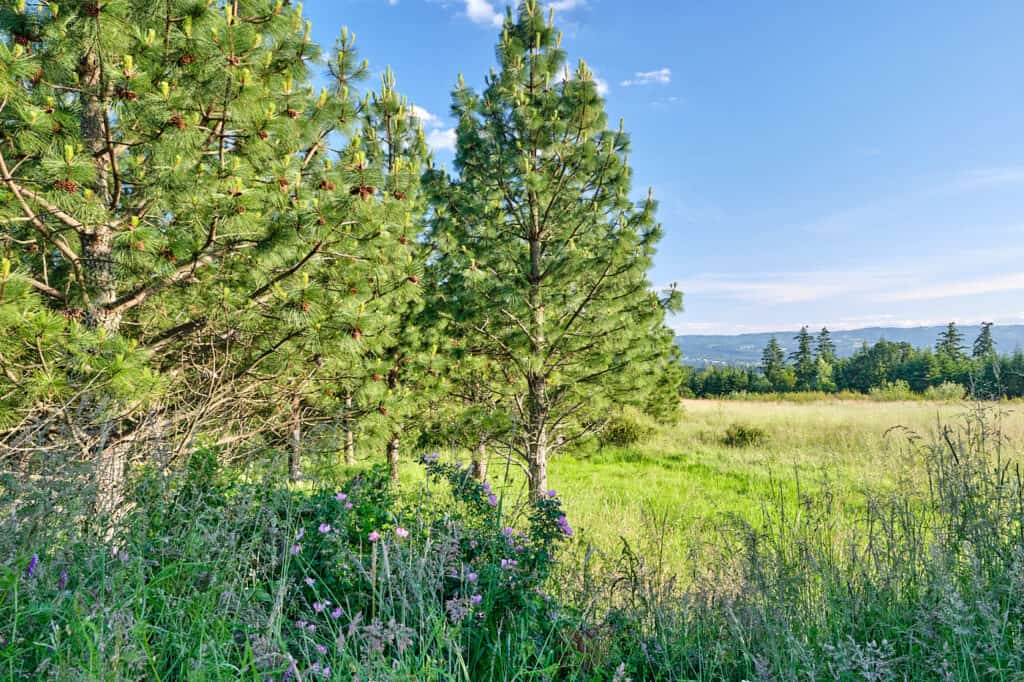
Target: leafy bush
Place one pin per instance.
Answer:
(946, 391)
(744, 436)
(624, 429)
(892, 391)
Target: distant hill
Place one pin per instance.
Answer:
(745, 349)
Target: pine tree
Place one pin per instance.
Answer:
(803, 361)
(546, 252)
(773, 359)
(984, 345)
(167, 179)
(950, 345)
(825, 348)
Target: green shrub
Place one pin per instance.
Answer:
(625, 429)
(744, 436)
(892, 391)
(948, 391)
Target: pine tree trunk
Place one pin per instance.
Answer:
(111, 466)
(393, 458)
(97, 257)
(538, 465)
(537, 399)
(350, 441)
(480, 462)
(295, 452)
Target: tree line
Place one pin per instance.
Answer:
(978, 369)
(201, 249)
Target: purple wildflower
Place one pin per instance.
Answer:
(508, 563)
(486, 486)
(337, 613)
(300, 534)
(507, 532)
(32, 565)
(341, 497)
(552, 493)
(320, 606)
(374, 536)
(476, 599)
(321, 649)
(431, 458)
(324, 528)
(309, 581)
(348, 505)
(471, 577)
(492, 500)
(401, 532)
(563, 523)
(63, 582)
(296, 548)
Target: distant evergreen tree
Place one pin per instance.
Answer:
(772, 358)
(950, 345)
(544, 253)
(804, 365)
(825, 347)
(984, 345)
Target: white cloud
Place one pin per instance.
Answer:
(968, 287)
(566, 5)
(602, 85)
(442, 139)
(661, 76)
(483, 12)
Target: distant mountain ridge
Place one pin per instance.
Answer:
(700, 350)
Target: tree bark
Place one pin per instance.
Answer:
(393, 458)
(536, 380)
(480, 462)
(350, 441)
(97, 255)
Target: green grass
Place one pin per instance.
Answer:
(686, 475)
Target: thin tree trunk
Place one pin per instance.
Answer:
(393, 458)
(480, 462)
(350, 441)
(538, 465)
(536, 380)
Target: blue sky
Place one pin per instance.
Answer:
(841, 164)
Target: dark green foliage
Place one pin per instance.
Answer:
(984, 346)
(872, 368)
(744, 436)
(624, 429)
(805, 366)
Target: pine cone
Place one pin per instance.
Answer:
(363, 191)
(69, 186)
(177, 121)
(186, 59)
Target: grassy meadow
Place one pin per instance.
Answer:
(686, 477)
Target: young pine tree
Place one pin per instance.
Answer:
(950, 345)
(804, 366)
(825, 347)
(984, 345)
(544, 253)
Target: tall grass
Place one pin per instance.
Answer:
(216, 578)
